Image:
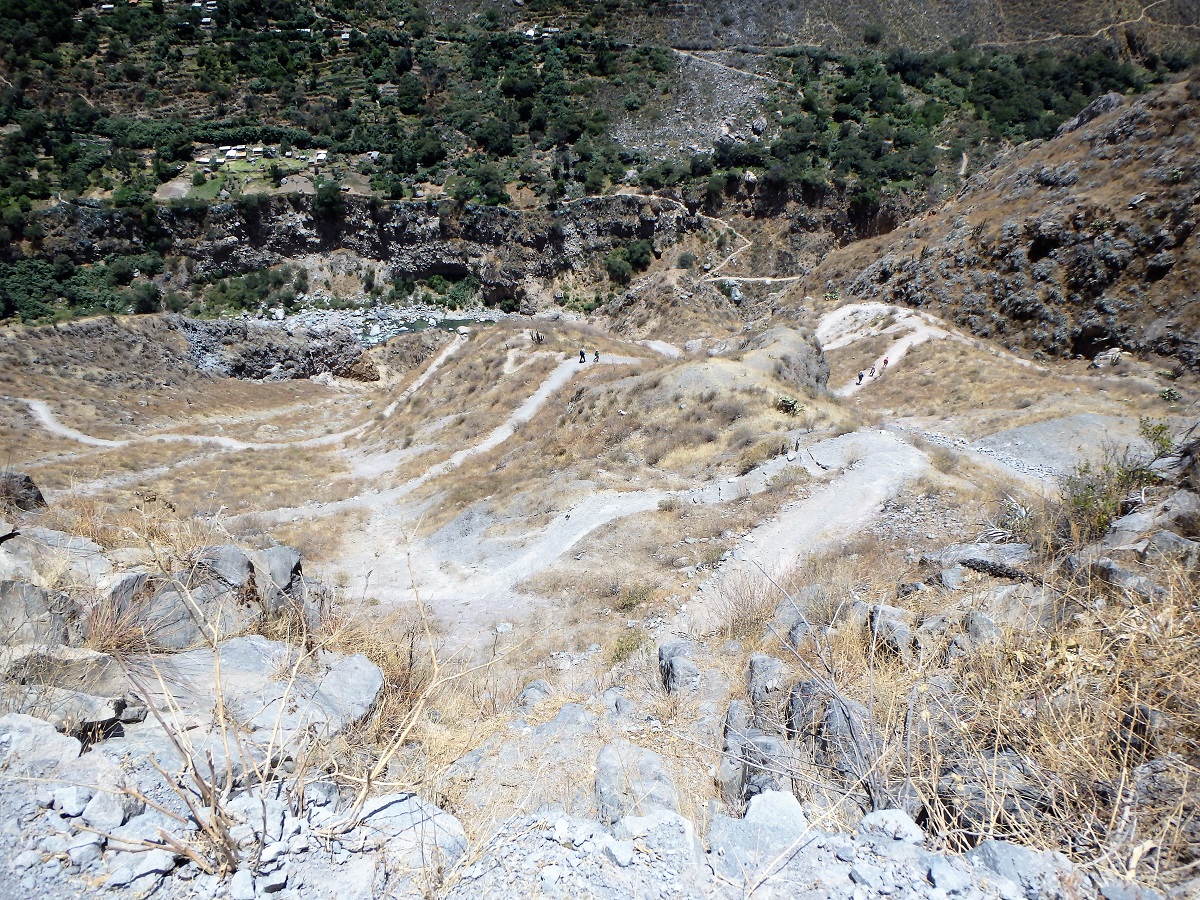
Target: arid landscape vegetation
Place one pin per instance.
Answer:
(599, 450)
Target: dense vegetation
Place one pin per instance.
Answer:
(110, 105)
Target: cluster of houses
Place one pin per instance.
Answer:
(230, 153)
(206, 8)
(217, 157)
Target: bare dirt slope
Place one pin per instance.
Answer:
(493, 477)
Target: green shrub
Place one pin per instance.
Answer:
(634, 596)
(627, 644)
(1094, 494)
(618, 267)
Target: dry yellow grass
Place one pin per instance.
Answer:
(320, 539)
(986, 393)
(1072, 702)
(246, 481)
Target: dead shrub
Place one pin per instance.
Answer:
(744, 605)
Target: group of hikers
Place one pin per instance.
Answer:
(870, 373)
(583, 355)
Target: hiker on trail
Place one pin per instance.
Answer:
(872, 371)
(597, 358)
(582, 355)
(885, 362)
(860, 377)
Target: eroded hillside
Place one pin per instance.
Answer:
(1082, 243)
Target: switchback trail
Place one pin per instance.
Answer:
(851, 323)
(44, 416)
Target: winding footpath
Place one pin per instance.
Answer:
(472, 575)
(851, 323)
(44, 416)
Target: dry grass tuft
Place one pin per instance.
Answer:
(745, 605)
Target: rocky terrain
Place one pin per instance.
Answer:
(198, 773)
(717, 25)
(710, 551)
(510, 252)
(774, 663)
(1076, 245)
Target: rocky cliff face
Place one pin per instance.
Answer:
(501, 247)
(257, 350)
(1070, 246)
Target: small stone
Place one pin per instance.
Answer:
(562, 831)
(892, 823)
(72, 800)
(953, 577)
(273, 882)
(26, 859)
(948, 877)
(241, 885)
(867, 875)
(53, 844)
(84, 848)
(272, 852)
(620, 852)
(109, 810)
(550, 875)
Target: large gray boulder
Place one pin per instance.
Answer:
(183, 615)
(53, 559)
(806, 711)
(71, 712)
(731, 770)
(277, 575)
(1181, 512)
(1169, 547)
(1041, 875)
(891, 633)
(31, 747)
(631, 780)
(225, 564)
(846, 742)
(766, 679)
(676, 668)
(770, 763)
(226, 593)
(18, 492)
(32, 615)
(75, 668)
(741, 848)
(268, 687)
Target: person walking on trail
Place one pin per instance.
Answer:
(597, 357)
(582, 355)
(860, 377)
(885, 362)
(872, 373)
